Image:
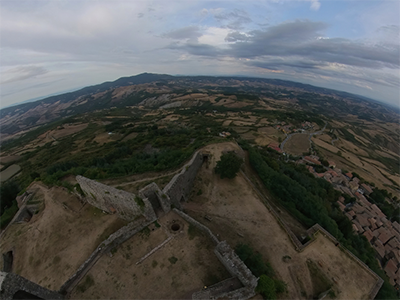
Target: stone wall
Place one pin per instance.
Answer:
(10, 284)
(181, 184)
(114, 240)
(153, 193)
(231, 262)
(112, 200)
(203, 228)
(312, 231)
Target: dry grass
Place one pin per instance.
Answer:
(238, 215)
(8, 159)
(51, 247)
(182, 266)
(9, 172)
(297, 144)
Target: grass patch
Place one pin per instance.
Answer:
(139, 202)
(87, 283)
(145, 232)
(193, 231)
(56, 259)
(173, 260)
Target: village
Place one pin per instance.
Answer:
(367, 219)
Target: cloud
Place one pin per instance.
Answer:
(302, 39)
(234, 19)
(315, 5)
(21, 73)
(188, 32)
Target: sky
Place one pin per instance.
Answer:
(49, 47)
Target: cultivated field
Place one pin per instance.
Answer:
(9, 172)
(297, 144)
(238, 215)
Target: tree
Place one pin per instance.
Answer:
(266, 287)
(228, 165)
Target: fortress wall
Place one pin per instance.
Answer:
(203, 228)
(114, 240)
(113, 200)
(11, 283)
(181, 184)
(152, 190)
(235, 265)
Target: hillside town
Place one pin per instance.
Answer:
(367, 219)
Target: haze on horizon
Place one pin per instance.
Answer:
(53, 46)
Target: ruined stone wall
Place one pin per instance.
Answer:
(181, 184)
(113, 200)
(114, 240)
(152, 190)
(235, 265)
(12, 283)
(203, 228)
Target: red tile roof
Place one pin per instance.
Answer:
(348, 174)
(368, 235)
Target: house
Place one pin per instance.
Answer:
(366, 188)
(332, 164)
(311, 160)
(349, 175)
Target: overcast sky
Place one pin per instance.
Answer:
(54, 46)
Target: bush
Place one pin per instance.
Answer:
(266, 287)
(228, 165)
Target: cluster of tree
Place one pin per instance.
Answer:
(268, 285)
(8, 205)
(228, 165)
(378, 196)
(313, 200)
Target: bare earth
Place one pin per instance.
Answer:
(48, 249)
(179, 268)
(9, 172)
(297, 144)
(238, 215)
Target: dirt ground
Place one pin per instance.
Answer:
(185, 264)
(9, 172)
(68, 130)
(8, 159)
(238, 215)
(55, 242)
(297, 144)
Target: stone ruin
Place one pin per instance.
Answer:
(150, 200)
(126, 205)
(13, 286)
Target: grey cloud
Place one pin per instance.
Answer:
(196, 49)
(236, 37)
(275, 64)
(22, 73)
(189, 32)
(234, 19)
(140, 15)
(302, 39)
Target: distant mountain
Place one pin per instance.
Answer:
(128, 91)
